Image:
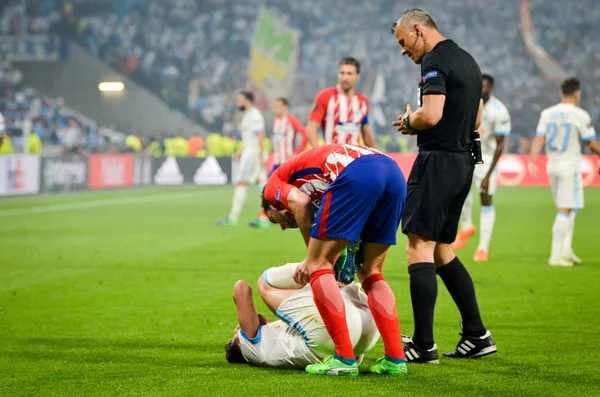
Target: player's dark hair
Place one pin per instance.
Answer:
(570, 85)
(415, 15)
(351, 61)
(488, 78)
(284, 101)
(233, 354)
(248, 95)
(263, 201)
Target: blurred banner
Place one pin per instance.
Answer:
(273, 58)
(34, 48)
(512, 169)
(110, 170)
(199, 171)
(65, 173)
(19, 175)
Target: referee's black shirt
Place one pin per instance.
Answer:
(450, 70)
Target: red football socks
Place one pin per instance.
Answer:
(383, 307)
(330, 303)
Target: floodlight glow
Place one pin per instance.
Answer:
(111, 86)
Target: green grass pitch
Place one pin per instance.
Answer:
(129, 293)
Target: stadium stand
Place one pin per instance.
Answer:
(54, 123)
(195, 54)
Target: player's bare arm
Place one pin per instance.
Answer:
(485, 183)
(425, 117)
(368, 136)
(594, 146)
(312, 131)
(479, 115)
(248, 318)
(536, 149)
(300, 205)
(261, 141)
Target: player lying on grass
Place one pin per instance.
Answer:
(360, 194)
(299, 338)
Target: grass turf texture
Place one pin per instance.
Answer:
(129, 293)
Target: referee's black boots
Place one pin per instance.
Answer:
(415, 354)
(474, 347)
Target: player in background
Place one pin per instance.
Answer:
(562, 128)
(250, 158)
(340, 111)
(360, 194)
(494, 129)
(286, 130)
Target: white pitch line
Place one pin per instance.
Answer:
(101, 203)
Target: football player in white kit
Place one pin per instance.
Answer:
(562, 128)
(494, 129)
(251, 158)
(299, 338)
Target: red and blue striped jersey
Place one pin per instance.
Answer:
(312, 171)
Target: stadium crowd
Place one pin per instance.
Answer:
(51, 121)
(194, 54)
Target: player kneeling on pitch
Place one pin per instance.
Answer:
(299, 338)
(359, 193)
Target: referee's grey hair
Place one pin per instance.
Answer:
(412, 16)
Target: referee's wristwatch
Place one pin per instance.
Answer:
(406, 123)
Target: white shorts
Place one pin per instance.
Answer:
(567, 188)
(481, 171)
(248, 167)
(300, 312)
(369, 332)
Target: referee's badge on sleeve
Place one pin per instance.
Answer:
(430, 75)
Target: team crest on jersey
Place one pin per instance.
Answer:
(430, 75)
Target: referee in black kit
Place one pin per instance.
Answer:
(449, 113)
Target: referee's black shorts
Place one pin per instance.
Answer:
(436, 191)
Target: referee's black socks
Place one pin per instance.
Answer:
(460, 285)
(423, 294)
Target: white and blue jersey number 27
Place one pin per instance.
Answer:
(552, 131)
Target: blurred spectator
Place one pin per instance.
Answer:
(48, 120)
(195, 54)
